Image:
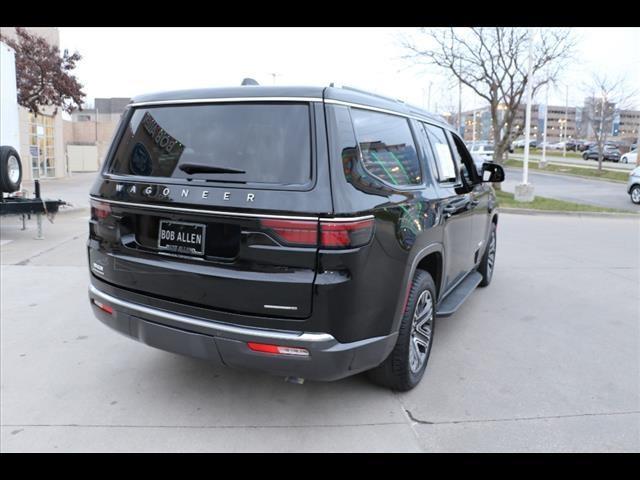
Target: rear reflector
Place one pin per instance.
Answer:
(278, 350)
(333, 234)
(103, 307)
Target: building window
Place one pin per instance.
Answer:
(41, 146)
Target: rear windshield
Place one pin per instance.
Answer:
(269, 142)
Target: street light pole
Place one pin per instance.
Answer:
(543, 162)
(524, 191)
(460, 98)
(566, 117)
(473, 125)
(601, 134)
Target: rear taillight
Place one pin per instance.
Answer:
(300, 233)
(348, 234)
(100, 210)
(332, 234)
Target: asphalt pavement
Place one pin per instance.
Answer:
(601, 193)
(547, 358)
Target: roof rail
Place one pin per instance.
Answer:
(345, 87)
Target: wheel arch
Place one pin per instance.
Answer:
(431, 259)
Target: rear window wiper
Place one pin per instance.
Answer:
(191, 168)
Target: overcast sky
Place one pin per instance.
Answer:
(124, 62)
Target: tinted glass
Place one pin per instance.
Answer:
(269, 142)
(387, 147)
(444, 159)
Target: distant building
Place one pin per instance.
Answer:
(562, 123)
(88, 135)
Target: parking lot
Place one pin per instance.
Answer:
(547, 358)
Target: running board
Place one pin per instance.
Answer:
(458, 295)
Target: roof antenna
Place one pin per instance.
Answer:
(249, 81)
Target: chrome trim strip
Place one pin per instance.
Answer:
(345, 219)
(281, 307)
(253, 332)
(381, 110)
(203, 212)
(225, 99)
(230, 214)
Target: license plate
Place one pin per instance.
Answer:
(181, 237)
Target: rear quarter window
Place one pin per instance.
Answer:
(387, 147)
(269, 142)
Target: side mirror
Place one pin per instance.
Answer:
(492, 172)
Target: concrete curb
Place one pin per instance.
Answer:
(529, 211)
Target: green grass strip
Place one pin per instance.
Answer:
(550, 204)
(577, 171)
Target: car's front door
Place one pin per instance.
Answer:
(454, 205)
(478, 196)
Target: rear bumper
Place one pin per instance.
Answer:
(225, 343)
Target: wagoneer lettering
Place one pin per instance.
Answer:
(302, 231)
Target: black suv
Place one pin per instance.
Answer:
(306, 232)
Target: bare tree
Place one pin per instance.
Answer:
(606, 98)
(493, 63)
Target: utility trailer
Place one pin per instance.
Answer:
(25, 207)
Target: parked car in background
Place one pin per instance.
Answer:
(556, 146)
(483, 150)
(574, 145)
(633, 185)
(478, 161)
(610, 154)
(520, 143)
(630, 157)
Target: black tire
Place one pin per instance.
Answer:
(487, 264)
(635, 191)
(585, 156)
(398, 372)
(9, 181)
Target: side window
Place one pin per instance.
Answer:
(463, 158)
(387, 147)
(442, 152)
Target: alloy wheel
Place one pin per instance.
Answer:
(421, 331)
(491, 255)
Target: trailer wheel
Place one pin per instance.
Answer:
(10, 170)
